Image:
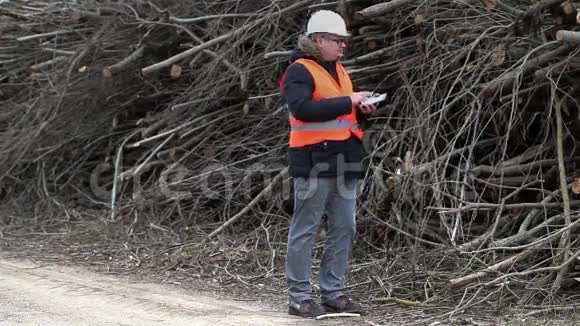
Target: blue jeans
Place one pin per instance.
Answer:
(313, 197)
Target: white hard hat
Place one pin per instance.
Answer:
(326, 21)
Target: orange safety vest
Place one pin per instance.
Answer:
(325, 86)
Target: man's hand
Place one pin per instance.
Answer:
(367, 108)
(357, 98)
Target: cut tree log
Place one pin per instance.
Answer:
(530, 153)
(50, 34)
(489, 4)
(501, 266)
(523, 169)
(565, 8)
(197, 20)
(508, 181)
(78, 16)
(278, 54)
(420, 19)
(501, 5)
(543, 5)
(568, 8)
(504, 55)
(220, 39)
(524, 91)
(154, 128)
(126, 63)
(175, 71)
(56, 51)
(554, 70)
(568, 36)
(243, 76)
(382, 8)
(507, 80)
(49, 64)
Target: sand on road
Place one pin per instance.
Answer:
(32, 294)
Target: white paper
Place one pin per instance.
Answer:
(375, 99)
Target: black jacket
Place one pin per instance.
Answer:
(326, 159)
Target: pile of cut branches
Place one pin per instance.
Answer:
(165, 114)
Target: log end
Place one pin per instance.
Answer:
(489, 4)
(175, 71)
(560, 35)
(107, 73)
(461, 282)
(76, 16)
(568, 8)
(576, 186)
(246, 109)
(420, 20)
(500, 56)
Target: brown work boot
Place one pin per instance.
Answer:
(342, 304)
(307, 309)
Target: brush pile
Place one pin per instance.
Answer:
(166, 115)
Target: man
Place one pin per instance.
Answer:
(325, 154)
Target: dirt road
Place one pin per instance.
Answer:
(55, 295)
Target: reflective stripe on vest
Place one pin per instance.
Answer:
(325, 86)
(327, 125)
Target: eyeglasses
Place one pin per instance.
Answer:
(338, 41)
